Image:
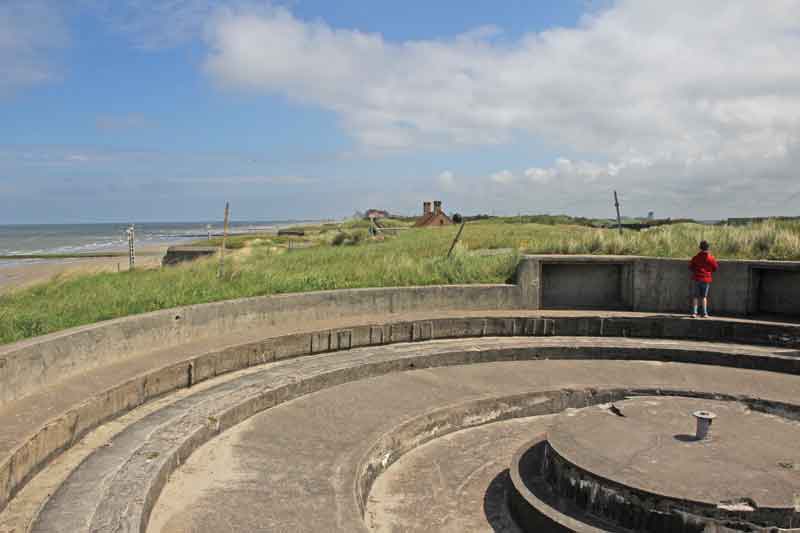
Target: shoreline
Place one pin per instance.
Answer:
(77, 255)
(19, 273)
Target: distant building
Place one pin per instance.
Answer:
(435, 217)
(376, 213)
(651, 215)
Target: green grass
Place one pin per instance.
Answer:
(414, 257)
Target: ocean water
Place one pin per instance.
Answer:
(83, 238)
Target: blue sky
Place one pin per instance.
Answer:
(136, 110)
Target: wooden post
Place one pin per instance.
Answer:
(455, 241)
(619, 218)
(224, 238)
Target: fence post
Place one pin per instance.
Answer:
(224, 238)
(455, 241)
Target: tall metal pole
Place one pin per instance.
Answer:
(224, 238)
(619, 218)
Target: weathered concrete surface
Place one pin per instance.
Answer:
(656, 284)
(285, 476)
(532, 506)
(586, 286)
(452, 484)
(749, 458)
(777, 291)
(55, 388)
(64, 423)
(659, 455)
(134, 476)
(30, 365)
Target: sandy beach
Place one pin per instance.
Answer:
(25, 273)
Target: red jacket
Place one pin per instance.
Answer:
(703, 265)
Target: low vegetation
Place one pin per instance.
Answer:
(265, 264)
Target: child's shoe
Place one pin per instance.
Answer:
(694, 315)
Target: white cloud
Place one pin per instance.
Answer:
(503, 177)
(447, 180)
(701, 92)
(30, 31)
(540, 175)
(585, 171)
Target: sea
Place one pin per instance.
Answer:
(27, 239)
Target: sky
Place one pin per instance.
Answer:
(163, 110)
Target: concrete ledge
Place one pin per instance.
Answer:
(30, 365)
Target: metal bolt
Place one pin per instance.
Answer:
(704, 420)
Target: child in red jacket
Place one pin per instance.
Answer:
(702, 265)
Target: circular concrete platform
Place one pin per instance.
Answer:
(750, 456)
(638, 465)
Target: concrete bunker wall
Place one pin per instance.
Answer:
(28, 365)
(543, 282)
(648, 284)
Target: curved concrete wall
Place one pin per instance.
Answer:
(543, 282)
(28, 365)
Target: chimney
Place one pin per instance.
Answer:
(437, 206)
(426, 208)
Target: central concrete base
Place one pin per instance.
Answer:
(651, 447)
(637, 465)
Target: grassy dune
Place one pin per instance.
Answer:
(262, 265)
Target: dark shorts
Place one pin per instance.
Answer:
(701, 289)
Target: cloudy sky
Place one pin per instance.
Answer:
(157, 110)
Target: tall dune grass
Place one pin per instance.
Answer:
(414, 257)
